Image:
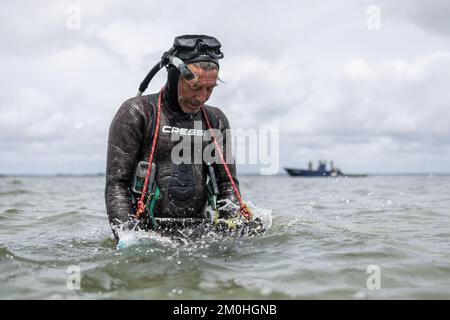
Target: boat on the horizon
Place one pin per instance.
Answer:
(321, 171)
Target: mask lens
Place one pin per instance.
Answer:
(185, 42)
(192, 42)
(211, 43)
(189, 47)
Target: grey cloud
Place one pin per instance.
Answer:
(432, 16)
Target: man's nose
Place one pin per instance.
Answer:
(202, 95)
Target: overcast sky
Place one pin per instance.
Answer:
(371, 94)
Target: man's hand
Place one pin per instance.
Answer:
(227, 209)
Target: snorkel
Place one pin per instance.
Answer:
(186, 49)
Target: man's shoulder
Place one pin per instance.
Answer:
(141, 102)
(219, 117)
(136, 109)
(142, 106)
(216, 111)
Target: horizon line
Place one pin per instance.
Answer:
(98, 174)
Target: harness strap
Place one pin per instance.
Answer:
(245, 211)
(152, 207)
(140, 205)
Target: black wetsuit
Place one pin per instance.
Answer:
(182, 186)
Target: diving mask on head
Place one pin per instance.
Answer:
(186, 49)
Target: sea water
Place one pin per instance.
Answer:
(380, 237)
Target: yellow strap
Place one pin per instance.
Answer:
(231, 223)
(216, 217)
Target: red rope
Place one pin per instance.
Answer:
(245, 211)
(140, 205)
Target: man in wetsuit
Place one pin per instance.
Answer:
(182, 186)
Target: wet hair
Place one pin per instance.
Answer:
(206, 65)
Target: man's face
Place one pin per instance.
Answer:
(193, 94)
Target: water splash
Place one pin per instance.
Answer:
(188, 235)
(132, 238)
(264, 214)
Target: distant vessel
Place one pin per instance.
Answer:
(320, 172)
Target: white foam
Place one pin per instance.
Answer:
(133, 238)
(264, 214)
